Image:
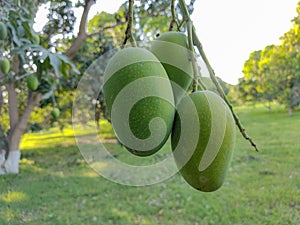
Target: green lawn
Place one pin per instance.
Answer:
(56, 186)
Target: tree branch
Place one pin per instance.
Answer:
(173, 20)
(198, 44)
(187, 19)
(220, 90)
(76, 45)
(106, 28)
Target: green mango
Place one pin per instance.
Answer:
(35, 39)
(171, 48)
(203, 140)
(32, 82)
(3, 31)
(55, 113)
(139, 100)
(4, 65)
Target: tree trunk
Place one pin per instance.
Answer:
(11, 163)
(269, 107)
(290, 111)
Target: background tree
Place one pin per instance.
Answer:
(42, 57)
(25, 57)
(274, 72)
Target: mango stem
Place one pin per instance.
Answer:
(196, 42)
(128, 33)
(173, 20)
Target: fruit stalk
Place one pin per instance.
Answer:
(192, 52)
(128, 33)
(186, 17)
(221, 92)
(197, 43)
(174, 20)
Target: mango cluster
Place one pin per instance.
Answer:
(148, 100)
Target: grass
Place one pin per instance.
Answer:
(56, 186)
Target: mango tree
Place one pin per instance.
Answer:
(29, 73)
(35, 69)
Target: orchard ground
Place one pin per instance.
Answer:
(56, 185)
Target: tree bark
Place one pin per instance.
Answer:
(18, 123)
(290, 111)
(76, 45)
(11, 164)
(82, 34)
(17, 132)
(12, 105)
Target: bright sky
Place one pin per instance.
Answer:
(229, 30)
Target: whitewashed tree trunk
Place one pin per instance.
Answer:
(10, 164)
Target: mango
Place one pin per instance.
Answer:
(4, 65)
(35, 39)
(32, 82)
(139, 100)
(55, 113)
(171, 48)
(3, 31)
(203, 140)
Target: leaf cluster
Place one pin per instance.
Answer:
(273, 74)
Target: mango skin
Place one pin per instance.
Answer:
(171, 48)
(55, 113)
(139, 66)
(3, 31)
(36, 39)
(32, 82)
(211, 176)
(4, 65)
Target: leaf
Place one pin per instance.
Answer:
(47, 95)
(69, 62)
(25, 40)
(21, 31)
(14, 34)
(55, 62)
(27, 28)
(44, 54)
(24, 47)
(64, 69)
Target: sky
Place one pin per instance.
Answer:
(228, 30)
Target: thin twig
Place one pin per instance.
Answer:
(198, 44)
(173, 20)
(220, 90)
(192, 52)
(106, 28)
(128, 33)
(187, 18)
(181, 24)
(202, 85)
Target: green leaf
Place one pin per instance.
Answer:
(55, 62)
(21, 30)
(69, 62)
(14, 34)
(64, 69)
(27, 29)
(47, 95)
(24, 47)
(44, 54)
